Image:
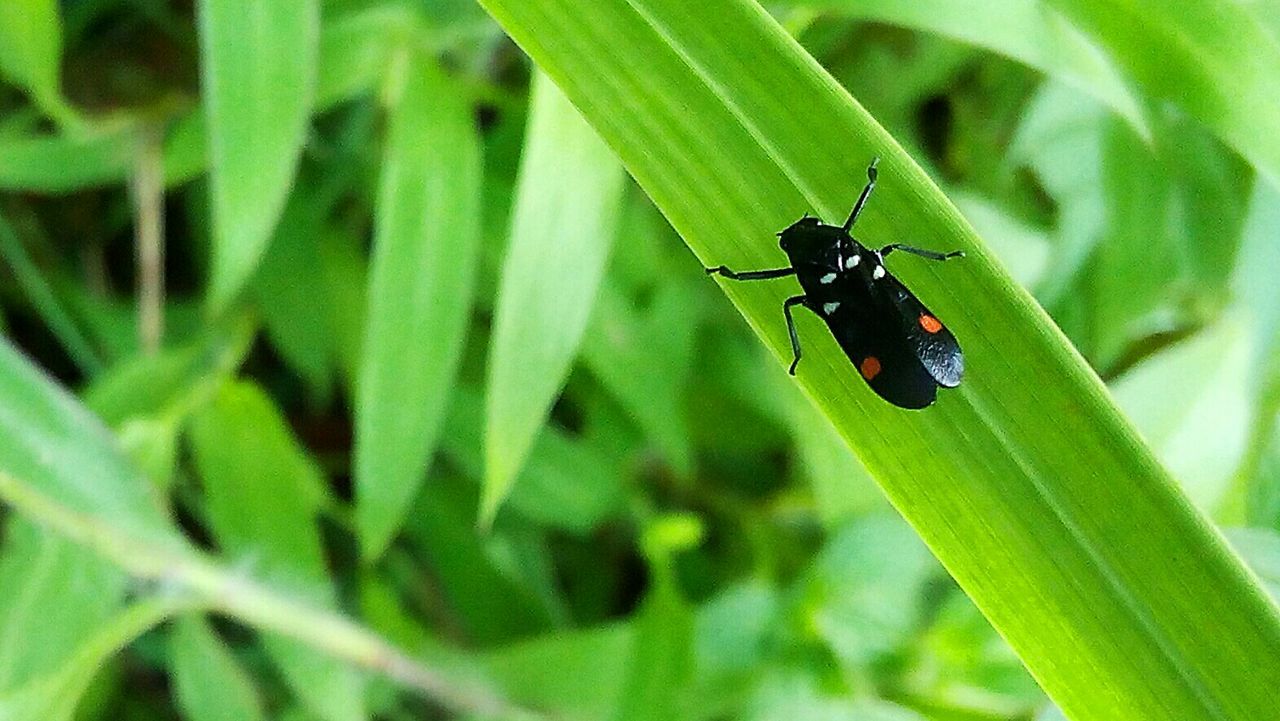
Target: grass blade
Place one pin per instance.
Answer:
(296, 316)
(258, 61)
(355, 49)
(424, 258)
(1027, 483)
(564, 221)
(644, 357)
(46, 302)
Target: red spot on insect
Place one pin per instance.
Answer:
(870, 367)
(929, 323)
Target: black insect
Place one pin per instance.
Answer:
(900, 348)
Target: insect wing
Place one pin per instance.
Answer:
(928, 338)
(886, 360)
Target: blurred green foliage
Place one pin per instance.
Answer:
(654, 524)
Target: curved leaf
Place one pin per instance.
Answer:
(1026, 482)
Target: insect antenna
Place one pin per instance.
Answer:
(862, 199)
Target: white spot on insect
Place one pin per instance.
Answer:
(852, 261)
(827, 278)
(878, 273)
(829, 308)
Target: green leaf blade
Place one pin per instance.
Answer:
(209, 684)
(31, 52)
(46, 576)
(661, 658)
(1038, 497)
(263, 491)
(258, 70)
(52, 447)
(56, 695)
(565, 218)
(263, 495)
(1027, 32)
(426, 244)
(295, 315)
(644, 359)
(1215, 60)
(64, 163)
(355, 50)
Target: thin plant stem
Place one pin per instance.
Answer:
(174, 566)
(147, 185)
(45, 302)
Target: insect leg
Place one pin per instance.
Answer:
(931, 255)
(862, 199)
(751, 274)
(791, 328)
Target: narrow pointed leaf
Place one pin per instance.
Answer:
(263, 496)
(643, 358)
(258, 64)
(564, 221)
(45, 301)
(58, 449)
(426, 240)
(209, 683)
(355, 49)
(661, 658)
(1026, 482)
